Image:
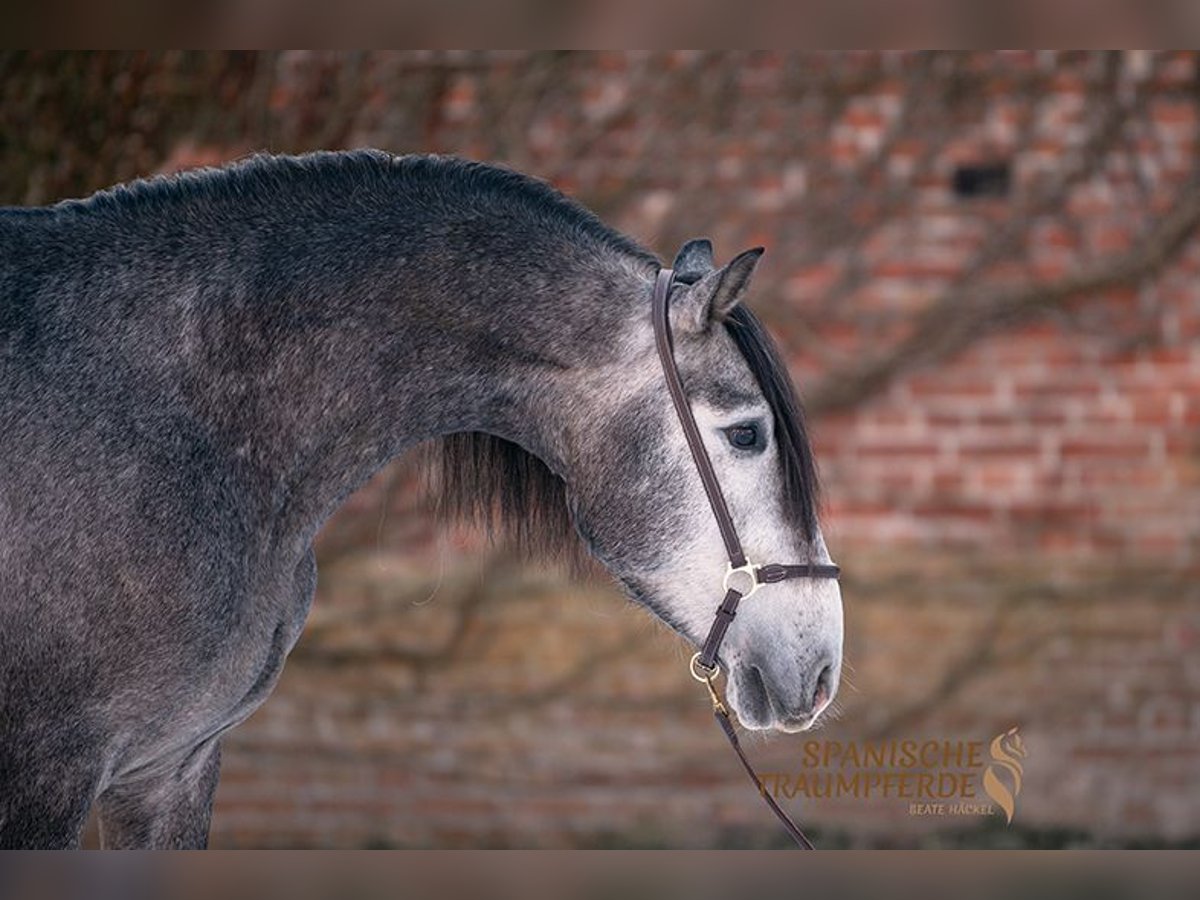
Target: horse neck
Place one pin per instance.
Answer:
(319, 385)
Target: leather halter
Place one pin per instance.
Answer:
(743, 577)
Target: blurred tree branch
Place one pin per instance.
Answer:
(962, 315)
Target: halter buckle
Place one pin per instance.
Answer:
(750, 570)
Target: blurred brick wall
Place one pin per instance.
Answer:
(1018, 511)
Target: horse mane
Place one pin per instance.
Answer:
(513, 495)
(494, 483)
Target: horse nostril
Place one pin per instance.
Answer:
(821, 694)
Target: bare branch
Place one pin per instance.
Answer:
(960, 316)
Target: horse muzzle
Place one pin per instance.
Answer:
(775, 693)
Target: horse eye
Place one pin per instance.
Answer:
(743, 437)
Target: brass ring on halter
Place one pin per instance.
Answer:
(702, 673)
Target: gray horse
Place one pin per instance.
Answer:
(196, 371)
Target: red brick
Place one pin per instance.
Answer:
(1103, 449)
(892, 449)
(949, 384)
(1003, 446)
(1169, 112)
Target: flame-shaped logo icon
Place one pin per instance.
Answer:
(1007, 751)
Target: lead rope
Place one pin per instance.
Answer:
(721, 714)
(725, 723)
(704, 665)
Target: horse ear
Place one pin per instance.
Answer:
(715, 295)
(693, 261)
